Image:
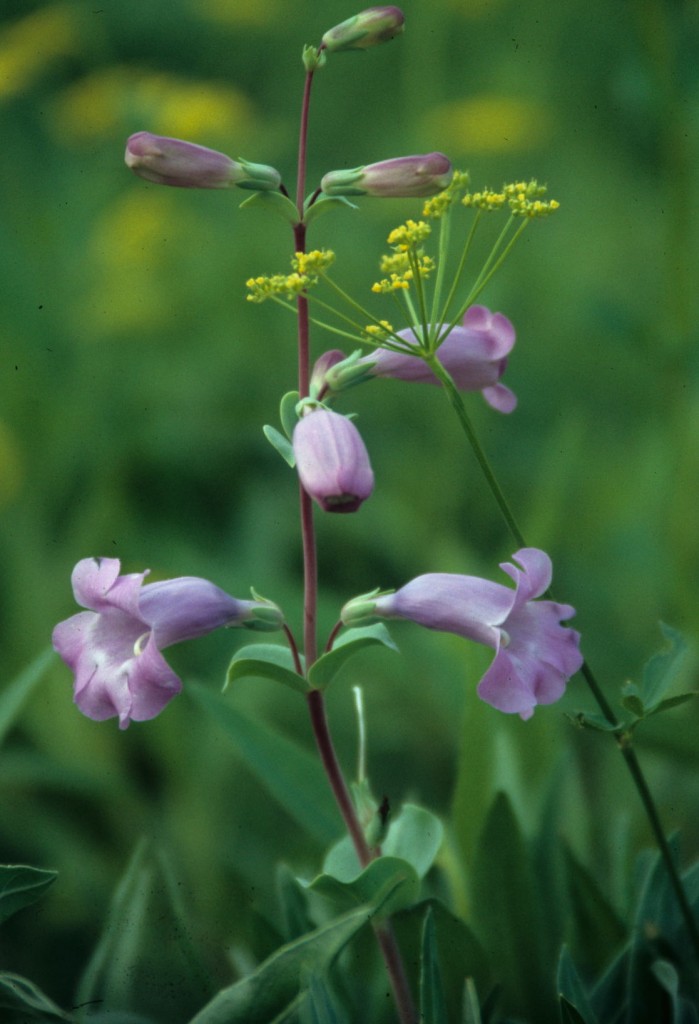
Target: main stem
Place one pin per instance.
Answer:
(624, 738)
(384, 932)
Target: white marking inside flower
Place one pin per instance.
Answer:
(140, 645)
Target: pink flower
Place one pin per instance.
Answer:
(534, 654)
(475, 356)
(114, 648)
(332, 462)
(185, 165)
(400, 177)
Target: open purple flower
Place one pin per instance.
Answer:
(332, 462)
(114, 648)
(534, 654)
(474, 354)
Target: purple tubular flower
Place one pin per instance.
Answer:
(332, 462)
(185, 165)
(114, 648)
(534, 654)
(475, 356)
(401, 177)
(368, 28)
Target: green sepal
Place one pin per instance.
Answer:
(22, 1002)
(349, 643)
(324, 204)
(414, 836)
(287, 412)
(278, 441)
(274, 986)
(265, 661)
(389, 882)
(273, 202)
(21, 885)
(433, 1008)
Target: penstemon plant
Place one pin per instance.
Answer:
(421, 322)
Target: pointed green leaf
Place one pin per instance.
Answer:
(273, 202)
(20, 886)
(319, 1007)
(663, 669)
(593, 720)
(382, 875)
(470, 1010)
(507, 913)
(349, 643)
(270, 989)
(569, 1014)
(145, 961)
(672, 702)
(13, 696)
(631, 700)
(266, 661)
(22, 1002)
(325, 204)
(290, 773)
(433, 1008)
(597, 931)
(294, 904)
(572, 990)
(281, 444)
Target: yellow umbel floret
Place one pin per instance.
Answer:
(409, 235)
(286, 286)
(380, 330)
(313, 262)
(524, 199)
(394, 283)
(394, 263)
(438, 205)
(485, 200)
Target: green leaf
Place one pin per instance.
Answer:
(266, 661)
(572, 991)
(270, 989)
(507, 914)
(145, 961)
(631, 700)
(662, 670)
(281, 444)
(385, 874)
(569, 1014)
(324, 205)
(291, 774)
(433, 1008)
(293, 900)
(597, 931)
(672, 702)
(349, 643)
(22, 1002)
(273, 202)
(593, 720)
(287, 412)
(319, 1007)
(15, 693)
(20, 886)
(414, 836)
(470, 1010)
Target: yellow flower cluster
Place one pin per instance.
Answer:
(408, 235)
(306, 266)
(287, 286)
(522, 197)
(380, 330)
(396, 281)
(313, 262)
(438, 205)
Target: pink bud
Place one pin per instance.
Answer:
(403, 176)
(332, 462)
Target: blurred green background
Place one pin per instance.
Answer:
(136, 378)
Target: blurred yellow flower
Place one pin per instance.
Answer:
(121, 98)
(490, 124)
(29, 46)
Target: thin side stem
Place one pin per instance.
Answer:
(623, 738)
(384, 932)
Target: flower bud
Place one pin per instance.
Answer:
(360, 611)
(368, 28)
(401, 177)
(186, 165)
(332, 462)
(334, 372)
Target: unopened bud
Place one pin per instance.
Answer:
(368, 28)
(334, 372)
(360, 611)
(186, 165)
(403, 176)
(332, 462)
